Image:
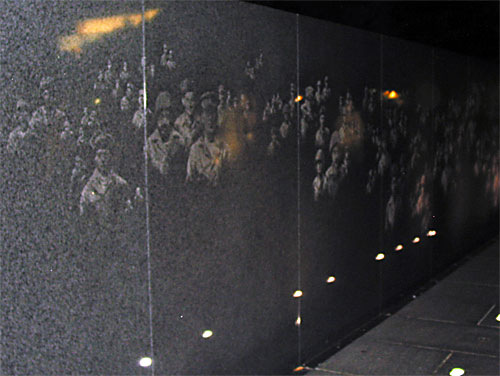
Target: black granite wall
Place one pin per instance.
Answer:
(235, 228)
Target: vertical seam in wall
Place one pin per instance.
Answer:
(381, 184)
(299, 348)
(146, 191)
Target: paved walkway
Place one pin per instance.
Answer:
(452, 325)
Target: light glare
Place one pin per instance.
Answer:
(145, 362)
(431, 233)
(498, 317)
(457, 372)
(207, 334)
(298, 321)
(380, 257)
(415, 240)
(330, 279)
(97, 101)
(299, 98)
(297, 294)
(399, 247)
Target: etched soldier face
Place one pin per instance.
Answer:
(46, 96)
(103, 159)
(319, 167)
(125, 66)
(209, 121)
(322, 119)
(188, 102)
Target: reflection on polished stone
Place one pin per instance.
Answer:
(415, 240)
(207, 334)
(146, 362)
(431, 233)
(330, 279)
(457, 372)
(298, 321)
(297, 294)
(399, 247)
(380, 257)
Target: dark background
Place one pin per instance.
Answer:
(467, 27)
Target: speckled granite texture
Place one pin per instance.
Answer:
(178, 224)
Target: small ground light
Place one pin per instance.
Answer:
(457, 372)
(97, 101)
(415, 240)
(207, 334)
(399, 247)
(380, 257)
(330, 279)
(431, 233)
(297, 294)
(298, 321)
(498, 318)
(299, 98)
(298, 369)
(145, 362)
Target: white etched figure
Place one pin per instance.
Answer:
(306, 112)
(319, 182)
(317, 95)
(127, 98)
(392, 206)
(274, 145)
(184, 125)
(100, 84)
(322, 134)
(250, 71)
(326, 92)
(207, 154)
(108, 74)
(116, 93)
(138, 119)
(285, 125)
(372, 177)
(421, 203)
(124, 74)
(157, 146)
(104, 195)
(334, 174)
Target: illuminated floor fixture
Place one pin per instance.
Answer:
(498, 318)
(399, 247)
(297, 294)
(97, 101)
(207, 334)
(299, 98)
(457, 372)
(380, 257)
(431, 233)
(145, 362)
(298, 321)
(330, 279)
(298, 369)
(416, 240)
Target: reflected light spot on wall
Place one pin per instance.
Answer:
(97, 101)
(330, 279)
(299, 98)
(298, 369)
(457, 372)
(298, 321)
(207, 334)
(90, 30)
(431, 233)
(393, 95)
(380, 257)
(399, 247)
(297, 294)
(415, 240)
(145, 362)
